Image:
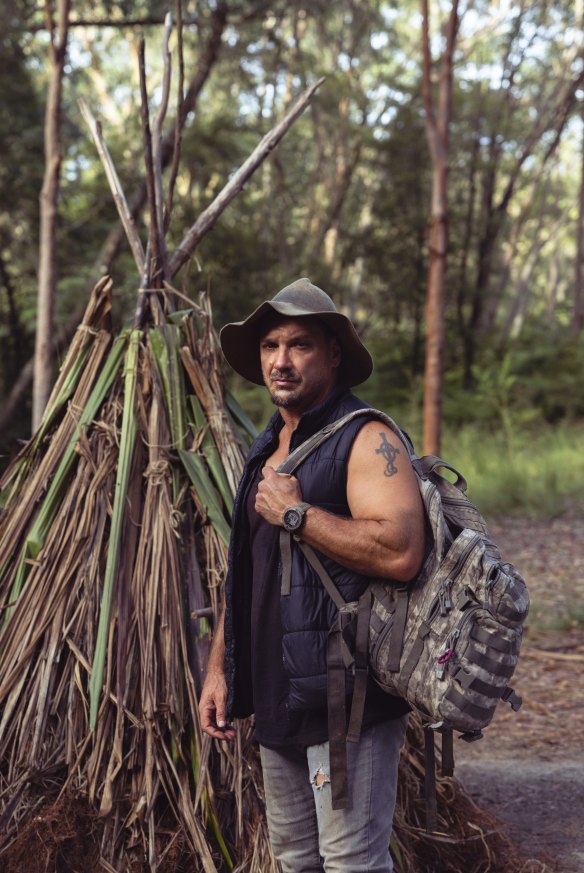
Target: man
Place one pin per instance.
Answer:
(357, 503)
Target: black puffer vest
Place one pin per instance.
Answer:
(307, 612)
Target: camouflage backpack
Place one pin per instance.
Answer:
(447, 642)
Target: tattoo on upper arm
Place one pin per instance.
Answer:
(389, 452)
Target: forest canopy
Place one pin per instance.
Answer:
(345, 198)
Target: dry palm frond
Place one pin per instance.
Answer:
(102, 646)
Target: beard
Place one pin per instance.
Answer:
(298, 395)
(288, 400)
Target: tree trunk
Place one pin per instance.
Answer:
(437, 131)
(435, 331)
(47, 277)
(578, 307)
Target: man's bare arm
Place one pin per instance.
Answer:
(385, 536)
(213, 701)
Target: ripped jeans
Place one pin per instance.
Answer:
(306, 834)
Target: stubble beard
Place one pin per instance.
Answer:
(286, 401)
(300, 397)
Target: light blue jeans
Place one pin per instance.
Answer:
(306, 834)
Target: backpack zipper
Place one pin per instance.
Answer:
(443, 600)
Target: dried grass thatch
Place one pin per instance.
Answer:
(110, 567)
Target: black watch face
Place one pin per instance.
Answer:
(292, 519)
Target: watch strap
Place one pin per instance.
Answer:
(302, 508)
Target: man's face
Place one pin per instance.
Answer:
(300, 363)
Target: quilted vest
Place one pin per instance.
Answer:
(307, 612)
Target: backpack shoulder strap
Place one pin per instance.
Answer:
(299, 455)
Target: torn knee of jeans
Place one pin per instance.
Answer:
(320, 778)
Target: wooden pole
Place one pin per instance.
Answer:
(209, 216)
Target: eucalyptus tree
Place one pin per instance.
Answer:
(524, 69)
(437, 116)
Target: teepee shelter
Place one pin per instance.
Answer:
(113, 552)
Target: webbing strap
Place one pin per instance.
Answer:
(507, 647)
(430, 463)
(510, 696)
(286, 558)
(479, 713)
(430, 781)
(415, 653)
(361, 668)
(396, 638)
(491, 665)
(467, 680)
(337, 721)
(447, 765)
(336, 663)
(296, 457)
(322, 574)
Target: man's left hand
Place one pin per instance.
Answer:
(276, 492)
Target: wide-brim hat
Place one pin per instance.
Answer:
(301, 299)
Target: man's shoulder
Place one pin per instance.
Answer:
(372, 420)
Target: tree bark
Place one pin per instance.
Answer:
(578, 306)
(437, 134)
(47, 277)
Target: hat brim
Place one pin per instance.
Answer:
(240, 342)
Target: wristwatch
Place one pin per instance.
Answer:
(293, 517)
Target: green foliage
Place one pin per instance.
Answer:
(537, 379)
(536, 472)
(548, 371)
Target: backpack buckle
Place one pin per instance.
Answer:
(471, 736)
(512, 698)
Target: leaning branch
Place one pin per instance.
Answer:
(179, 119)
(154, 240)
(157, 133)
(115, 185)
(209, 216)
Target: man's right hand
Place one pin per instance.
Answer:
(212, 707)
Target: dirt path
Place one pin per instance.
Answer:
(529, 768)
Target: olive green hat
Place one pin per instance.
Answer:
(240, 339)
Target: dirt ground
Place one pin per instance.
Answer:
(529, 768)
